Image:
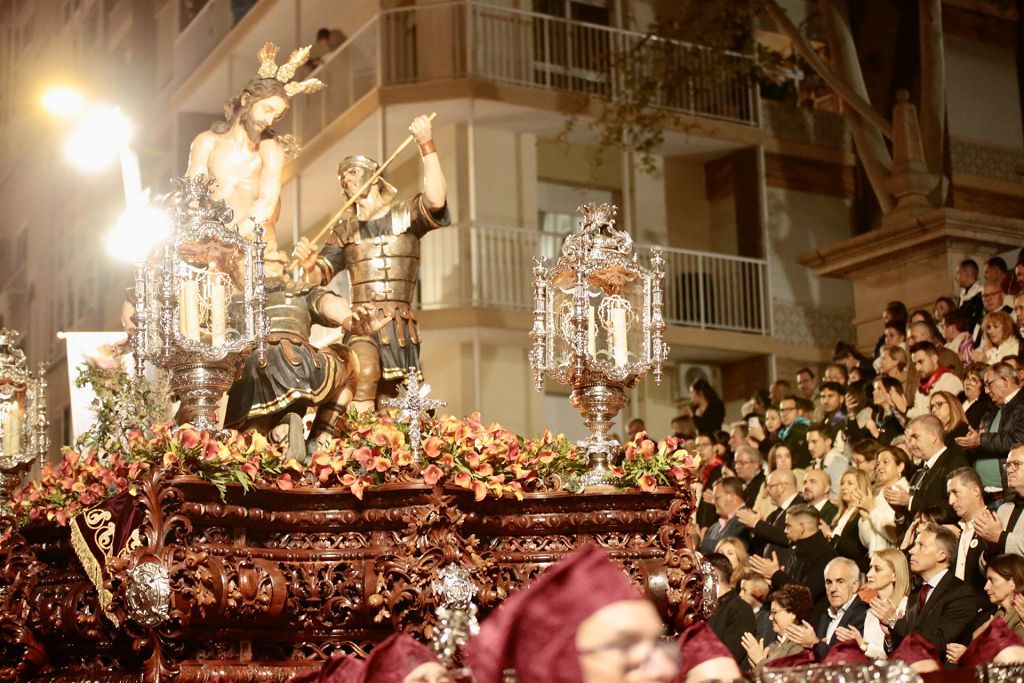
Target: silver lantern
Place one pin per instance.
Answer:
(200, 305)
(598, 326)
(23, 422)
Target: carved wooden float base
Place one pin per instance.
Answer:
(262, 586)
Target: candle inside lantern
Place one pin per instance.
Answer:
(12, 430)
(188, 308)
(218, 309)
(591, 332)
(618, 320)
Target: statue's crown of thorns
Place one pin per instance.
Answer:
(285, 72)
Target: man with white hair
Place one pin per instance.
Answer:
(845, 609)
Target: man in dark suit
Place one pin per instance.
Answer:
(845, 610)
(965, 495)
(1004, 531)
(992, 300)
(928, 486)
(734, 616)
(989, 447)
(811, 553)
(943, 607)
(770, 533)
(728, 498)
(793, 432)
(817, 486)
(749, 468)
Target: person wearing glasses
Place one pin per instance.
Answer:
(1000, 339)
(790, 605)
(991, 302)
(945, 406)
(793, 432)
(990, 445)
(1003, 530)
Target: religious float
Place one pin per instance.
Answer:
(179, 552)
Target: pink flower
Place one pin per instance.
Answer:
(648, 483)
(432, 475)
(284, 482)
(189, 438)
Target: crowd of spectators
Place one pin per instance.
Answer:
(881, 500)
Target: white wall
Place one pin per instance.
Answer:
(982, 94)
(798, 223)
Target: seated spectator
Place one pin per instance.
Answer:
(1004, 531)
(886, 417)
(826, 455)
(928, 487)
(635, 426)
(1000, 338)
(749, 470)
(793, 432)
(1004, 586)
(734, 550)
(967, 500)
(977, 403)
(943, 607)
(848, 356)
(683, 428)
(807, 384)
(865, 452)
(997, 273)
(845, 610)
(770, 532)
(919, 316)
(943, 307)
(895, 363)
(854, 488)
(932, 377)
(877, 523)
(728, 499)
(888, 583)
(707, 409)
(789, 604)
(862, 373)
(833, 411)
(738, 435)
(754, 591)
(957, 333)
(583, 613)
(895, 337)
(933, 514)
(947, 408)
(765, 433)
(992, 302)
(838, 373)
(710, 472)
(1018, 310)
(817, 487)
(1018, 364)
(969, 296)
(734, 616)
(779, 390)
(779, 458)
(894, 311)
(927, 332)
(810, 553)
(989, 446)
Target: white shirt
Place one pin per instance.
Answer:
(966, 536)
(874, 637)
(970, 292)
(836, 617)
(842, 521)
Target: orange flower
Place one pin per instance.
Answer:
(479, 491)
(432, 447)
(188, 438)
(284, 482)
(648, 483)
(463, 480)
(432, 474)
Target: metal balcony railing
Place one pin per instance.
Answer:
(471, 38)
(491, 267)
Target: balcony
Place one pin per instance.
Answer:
(491, 267)
(471, 39)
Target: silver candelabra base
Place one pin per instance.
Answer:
(599, 403)
(199, 386)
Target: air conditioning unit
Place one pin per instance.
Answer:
(688, 373)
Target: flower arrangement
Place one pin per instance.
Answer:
(486, 459)
(648, 465)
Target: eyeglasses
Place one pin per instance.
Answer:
(636, 651)
(788, 409)
(990, 382)
(1012, 465)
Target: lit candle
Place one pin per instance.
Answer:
(12, 430)
(218, 310)
(618, 320)
(189, 307)
(591, 332)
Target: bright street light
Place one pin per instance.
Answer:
(140, 228)
(98, 140)
(63, 102)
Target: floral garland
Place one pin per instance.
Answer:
(488, 460)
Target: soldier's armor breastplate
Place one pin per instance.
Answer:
(383, 268)
(287, 311)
